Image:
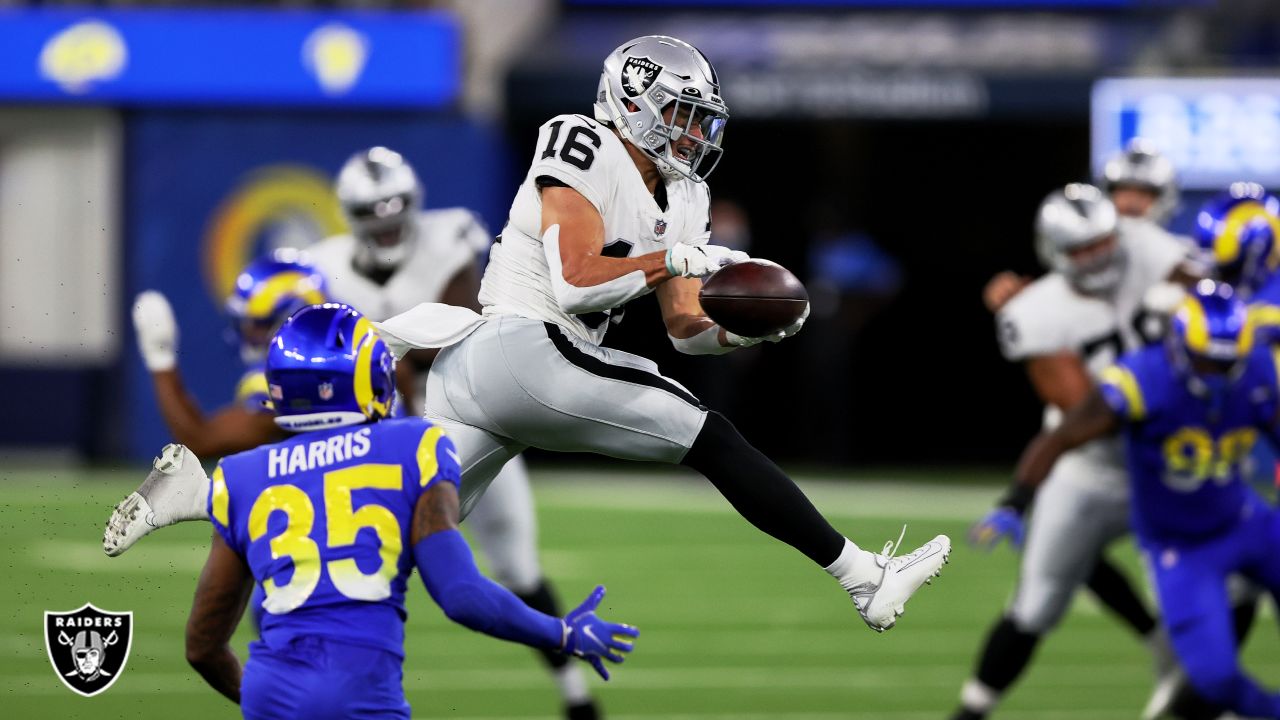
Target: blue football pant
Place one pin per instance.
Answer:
(1191, 581)
(321, 680)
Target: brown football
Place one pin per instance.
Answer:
(753, 298)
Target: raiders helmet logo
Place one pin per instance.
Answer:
(88, 647)
(638, 73)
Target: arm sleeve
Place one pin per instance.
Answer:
(476, 602)
(575, 300)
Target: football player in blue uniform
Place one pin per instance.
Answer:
(330, 523)
(1190, 413)
(1238, 231)
(265, 294)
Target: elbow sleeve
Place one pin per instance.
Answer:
(575, 300)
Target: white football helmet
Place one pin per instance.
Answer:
(1140, 165)
(1068, 221)
(651, 74)
(381, 197)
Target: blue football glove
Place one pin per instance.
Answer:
(1001, 522)
(590, 638)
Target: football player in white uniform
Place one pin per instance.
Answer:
(614, 207)
(1066, 327)
(396, 256)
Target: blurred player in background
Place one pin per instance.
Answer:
(266, 292)
(1190, 412)
(333, 634)
(1142, 184)
(1066, 328)
(396, 256)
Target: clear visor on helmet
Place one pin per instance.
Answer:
(696, 131)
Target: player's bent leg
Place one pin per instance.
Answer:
(879, 584)
(538, 385)
(503, 523)
(1071, 523)
(1191, 585)
(1006, 653)
(175, 490)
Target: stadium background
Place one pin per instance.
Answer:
(892, 153)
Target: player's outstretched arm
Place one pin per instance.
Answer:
(470, 599)
(221, 595)
(231, 430)
(1091, 418)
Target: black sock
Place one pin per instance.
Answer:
(1242, 617)
(544, 601)
(760, 491)
(1007, 653)
(1116, 593)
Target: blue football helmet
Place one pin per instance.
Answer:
(327, 367)
(267, 292)
(1210, 335)
(1239, 233)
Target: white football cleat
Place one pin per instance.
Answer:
(881, 602)
(175, 490)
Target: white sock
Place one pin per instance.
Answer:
(854, 567)
(573, 684)
(977, 697)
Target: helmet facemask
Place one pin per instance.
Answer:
(380, 196)
(386, 228)
(1094, 267)
(662, 96)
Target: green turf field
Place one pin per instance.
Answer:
(734, 624)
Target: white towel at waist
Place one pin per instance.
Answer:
(428, 325)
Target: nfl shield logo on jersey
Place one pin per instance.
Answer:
(660, 227)
(88, 647)
(638, 73)
(326, 391)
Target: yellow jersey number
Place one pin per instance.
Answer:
(1192, 457)
(343, 523)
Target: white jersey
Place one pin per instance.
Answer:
(587, 156)
(1050, 317)
(447, 241)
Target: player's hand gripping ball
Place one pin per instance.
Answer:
(754, 298)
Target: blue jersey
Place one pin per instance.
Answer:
(1185, 453)
(323, 521)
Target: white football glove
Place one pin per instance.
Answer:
(684, 260)
(157, 331)
(783, 334)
